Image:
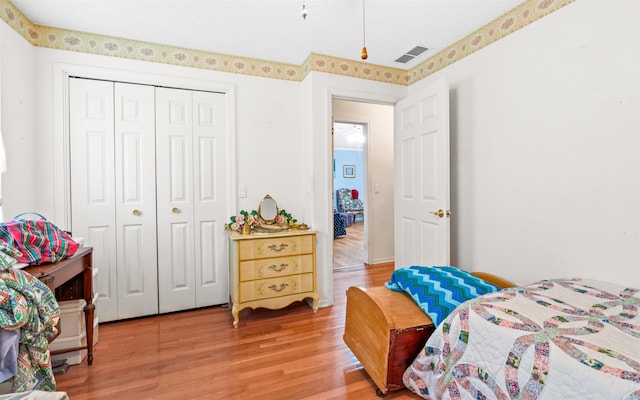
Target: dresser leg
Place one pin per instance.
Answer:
(235, 312)
(316, 298)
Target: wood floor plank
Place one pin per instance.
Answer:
(348, 250)
(286, 354)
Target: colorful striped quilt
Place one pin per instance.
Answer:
(28, 304)
(438, 290)
(36, 241)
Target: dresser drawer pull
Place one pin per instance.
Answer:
(278, 268)
(275, 248)
(275, 288)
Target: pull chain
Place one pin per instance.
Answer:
(364, 46)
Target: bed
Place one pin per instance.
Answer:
(554, 339)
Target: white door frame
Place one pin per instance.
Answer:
(61, 74)
(327, 212)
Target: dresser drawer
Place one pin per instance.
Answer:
(275, 247)
(275, 267)
(276, 287)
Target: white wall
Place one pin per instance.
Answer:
(19, 191)
(379, 172)
(545, 148)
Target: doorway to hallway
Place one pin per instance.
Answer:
(365, 166)
(349, 183)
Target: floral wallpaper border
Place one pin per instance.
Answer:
(55, 38)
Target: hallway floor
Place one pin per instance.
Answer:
(348, 250)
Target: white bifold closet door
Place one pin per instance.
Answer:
(113, 204)
(148, 178)
(191, 198)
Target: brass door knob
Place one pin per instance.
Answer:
(175, 210)
(439, 213)
(136, 212)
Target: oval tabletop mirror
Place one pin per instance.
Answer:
(268, 210)
(267, 215)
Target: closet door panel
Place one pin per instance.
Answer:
(180, 278)
(210, 172)
(175, 198)
(132, 283)
(207, 259)
(101, 238)
(135, 200)
(180, 169)
(91, 138)
(99, 179)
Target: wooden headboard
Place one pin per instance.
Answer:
(494, 279)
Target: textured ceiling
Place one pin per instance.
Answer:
(274, 30)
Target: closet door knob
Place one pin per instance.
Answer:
(175, 210)
(136, 212)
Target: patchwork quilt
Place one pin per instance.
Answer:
(555, 339)
(29, 305)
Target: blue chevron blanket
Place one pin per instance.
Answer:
(438, 290)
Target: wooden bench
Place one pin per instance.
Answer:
(386, 330)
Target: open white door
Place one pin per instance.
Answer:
(422, 177)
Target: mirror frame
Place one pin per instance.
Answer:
(268, 221)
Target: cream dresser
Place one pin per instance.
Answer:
(271, 270)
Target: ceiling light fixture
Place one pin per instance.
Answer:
(357, 138)
(364, 46)
(304, 10)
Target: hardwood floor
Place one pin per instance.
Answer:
(274, 354)
(348, 250)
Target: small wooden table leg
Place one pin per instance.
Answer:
(89, 310)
